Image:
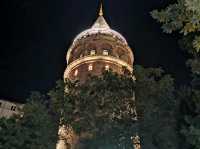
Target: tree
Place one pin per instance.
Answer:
(184, 16)
(34, 130)
(101, 111)
(157, 108)
(191, 127)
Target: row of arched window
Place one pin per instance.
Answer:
(105, 52)
(90, 68)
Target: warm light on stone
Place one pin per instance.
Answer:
(90, 67)
(76, 72)
(93, 51)
(107, 67)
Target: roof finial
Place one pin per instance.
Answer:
(101, 9)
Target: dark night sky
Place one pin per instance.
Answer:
(35, 35)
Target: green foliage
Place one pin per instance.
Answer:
(156, 106)
(191, 129)
(195, 65)
(184, 16)
(56, 96)
(193, 5)
(34, 130)
(8, 133)
(196, 43)
(101, 111)
(102, 107)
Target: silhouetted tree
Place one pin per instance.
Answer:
(184, 16)
(35, 129)
(157, 108)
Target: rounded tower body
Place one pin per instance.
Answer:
(93, 51)
(97, 49)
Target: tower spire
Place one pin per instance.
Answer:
(101, 8)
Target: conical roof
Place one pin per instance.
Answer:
(99, 27)
(100, 23)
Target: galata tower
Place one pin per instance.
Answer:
(97, 49)
(93, 51)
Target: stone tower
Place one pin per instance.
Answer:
(97, 49)
(93, 51)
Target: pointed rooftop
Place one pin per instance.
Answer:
(101, 22)
(99, 27)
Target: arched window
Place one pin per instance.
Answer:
(107, 67)
(92, 52)
(90, 67)
(105, 52)
(76, 72)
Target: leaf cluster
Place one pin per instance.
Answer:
(184, 16)
(35, 129)
(103, 106)
(156, 108)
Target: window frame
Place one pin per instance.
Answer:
(107, 67)
(76, 72)
(105, 52)
(92, 52)
(90, 67)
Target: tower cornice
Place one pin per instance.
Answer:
(96, 49)
(90, 59)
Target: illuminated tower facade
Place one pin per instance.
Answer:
(97, 49)
(93, 51)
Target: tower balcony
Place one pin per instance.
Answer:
(95, 65)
